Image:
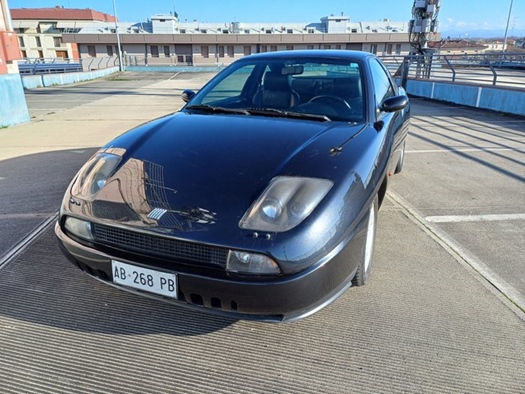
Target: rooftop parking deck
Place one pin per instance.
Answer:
(444, 311)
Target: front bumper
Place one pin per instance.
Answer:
(284, 298)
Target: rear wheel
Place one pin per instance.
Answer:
(363, 270)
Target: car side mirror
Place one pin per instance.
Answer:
(187, 95)
(394, 104)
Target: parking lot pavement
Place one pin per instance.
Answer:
(430, 320)
(464, 179)
(38, 159)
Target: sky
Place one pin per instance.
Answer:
(458, 18)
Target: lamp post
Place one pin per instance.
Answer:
(507, 28)
(118, 37)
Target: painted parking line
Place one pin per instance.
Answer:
(463, 256)
(467, 150)
(474, 218)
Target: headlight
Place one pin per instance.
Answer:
(285, 203)
(94, 174)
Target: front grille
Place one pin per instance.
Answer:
(158, 246)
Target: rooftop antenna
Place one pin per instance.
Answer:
(424, 23)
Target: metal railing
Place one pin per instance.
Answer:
(98, 63)
(484, 69)
(38, 66)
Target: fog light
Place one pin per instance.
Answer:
(250, 263)
(79, 228)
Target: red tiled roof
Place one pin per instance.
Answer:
(60, 13)
(455, 44)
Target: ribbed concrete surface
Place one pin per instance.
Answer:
(423, 325)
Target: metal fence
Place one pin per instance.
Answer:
(485, 69)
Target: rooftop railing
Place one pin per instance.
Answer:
(479, 69)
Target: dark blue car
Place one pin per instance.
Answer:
(258, 199)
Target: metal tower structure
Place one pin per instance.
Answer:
(424, 23)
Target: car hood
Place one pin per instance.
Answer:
(196, 174)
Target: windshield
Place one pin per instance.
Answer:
(321, 88)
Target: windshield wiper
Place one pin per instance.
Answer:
(213, 109)
(287, 114)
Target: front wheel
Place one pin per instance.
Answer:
(363, 270)
(401, 161)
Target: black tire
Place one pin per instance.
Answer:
(363, 270)
(399, 166)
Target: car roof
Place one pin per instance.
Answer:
(312, 53)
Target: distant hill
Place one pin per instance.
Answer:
(496, 33)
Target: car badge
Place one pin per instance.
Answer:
(157, 213)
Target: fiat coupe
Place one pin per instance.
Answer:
(258, 199)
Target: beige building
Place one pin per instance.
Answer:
(40, 30)
(164, 41)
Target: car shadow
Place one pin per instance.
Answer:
(41, 286)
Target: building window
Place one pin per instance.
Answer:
(167, 50)
(338, 46)
(109, 50)
(398, 49)
(289, 47)
(38, 42)
(268, 31)
(373, 49)
(230, 51)
(62, 54)
(327, 47)
(182, 31)
(205, 51)
(40, 54)
(189, 59)
(247, 50)
(309, 47)
(289, 31)
(21, 41)
(204, 31)
(154, 50)
(311, 31)
(354, 30)
(225, 31)
(221, 50)
(273, 48)
(247, 31)
(91, 51)
(264, 48)
(180, 59)
(388, 49)
(24, 54)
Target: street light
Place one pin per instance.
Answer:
(507, 28)
(118, 37)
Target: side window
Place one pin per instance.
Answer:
(383, 87)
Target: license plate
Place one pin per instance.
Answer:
(157, 282)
